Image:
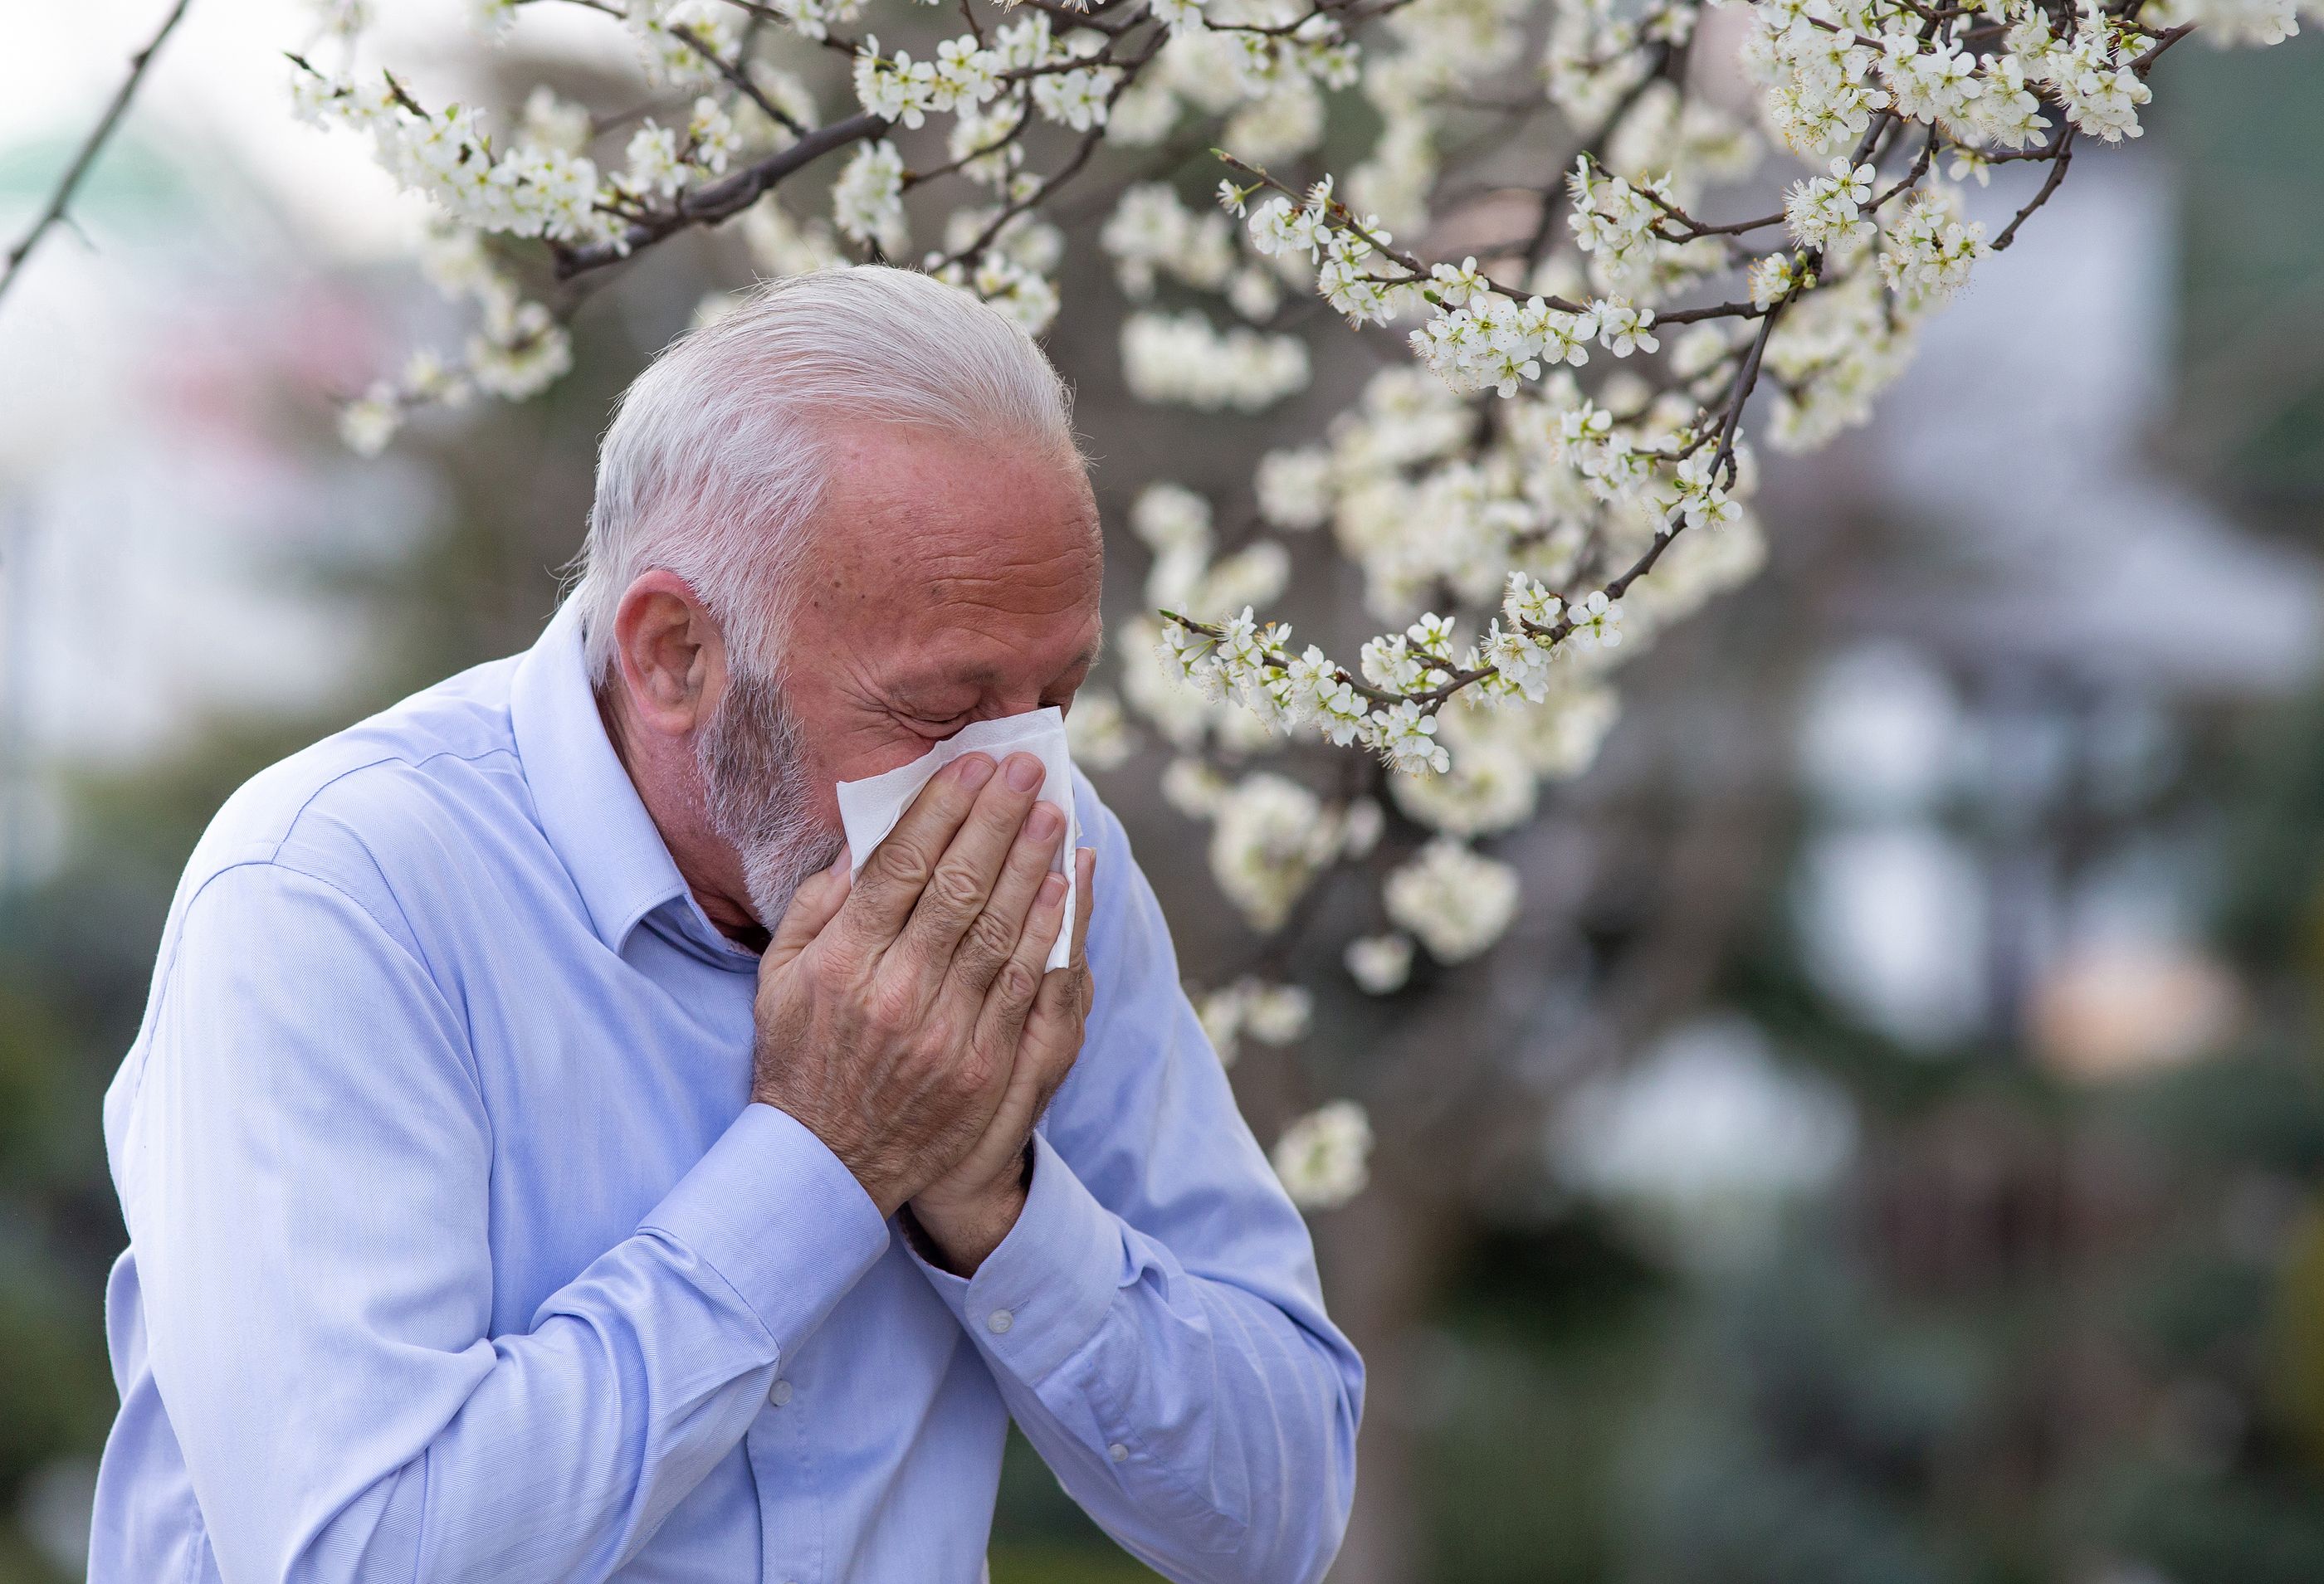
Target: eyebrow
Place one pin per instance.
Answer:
(915, 689)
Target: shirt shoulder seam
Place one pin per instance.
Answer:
(291, 829)
(307, 804)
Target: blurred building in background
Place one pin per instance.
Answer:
(169, 528)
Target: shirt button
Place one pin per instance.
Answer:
(780, 1393)
(1117, 1451)
(999, 1320)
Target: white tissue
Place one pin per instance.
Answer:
(870, 808)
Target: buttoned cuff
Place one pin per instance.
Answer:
(772, 1211)
(1041, 1296)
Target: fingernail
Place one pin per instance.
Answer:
(975, 770)
(1044, 822)
(1025, 771)
(1053, 890)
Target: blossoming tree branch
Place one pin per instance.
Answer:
(1724, 224)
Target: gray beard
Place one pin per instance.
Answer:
(759, 796)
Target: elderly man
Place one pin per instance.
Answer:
(542, 1163)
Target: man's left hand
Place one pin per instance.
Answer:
(968, 1211)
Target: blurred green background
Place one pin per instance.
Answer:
(2045, 1304)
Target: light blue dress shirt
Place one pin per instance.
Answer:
(456, 1253)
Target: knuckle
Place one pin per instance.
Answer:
(1018, 982)
(897, 863)
(990, 939)
(956, 890)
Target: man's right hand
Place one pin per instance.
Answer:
(888, 1011)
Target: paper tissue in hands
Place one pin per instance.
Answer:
(870, 808)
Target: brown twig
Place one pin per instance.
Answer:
(54, 213)
(913, 178)
(738, 76)
(721, 199)
(1129, 69)
(1545, 224)
(2162, 40)
(2062, 157)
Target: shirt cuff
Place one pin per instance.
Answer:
(1040, 1295)
(772, 1211)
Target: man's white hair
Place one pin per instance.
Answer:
(717, 455)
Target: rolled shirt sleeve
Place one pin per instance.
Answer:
(306, 1177)
(1154, 1319)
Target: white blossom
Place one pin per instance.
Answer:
(1827, 212)
(342, 18)
(1098, 731)
(811, 19)
(368, 423)
(1143, 114)
(1404, 735)
(1931, 251)
(518, 350)
(1195, 788)
(1277, 125)
(1151, 234)
(1932, 80)
(669, 54)
(1592, 60)
(894, 87)
(782, 246)
(1179, 359)
(1269, 838)
(1487, 787)
(1621, 328)
(1221, 1012)
(1597, 621)
(711, 138)
(1821, 88)
(1323, 1158)
(1379, 964)
(1457, 901)
(1295, 487)
(654, 166)
(2228, 23)
(1078, 98)
(553, 122)
(867, 201)
(1772, 279)
(1272, 1014)
(2006, 111)
(1277, 1014)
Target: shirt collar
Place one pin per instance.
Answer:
(583, 797)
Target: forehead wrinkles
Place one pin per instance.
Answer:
(880, 535)
(1062, 579)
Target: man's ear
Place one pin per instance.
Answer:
(671, 654)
